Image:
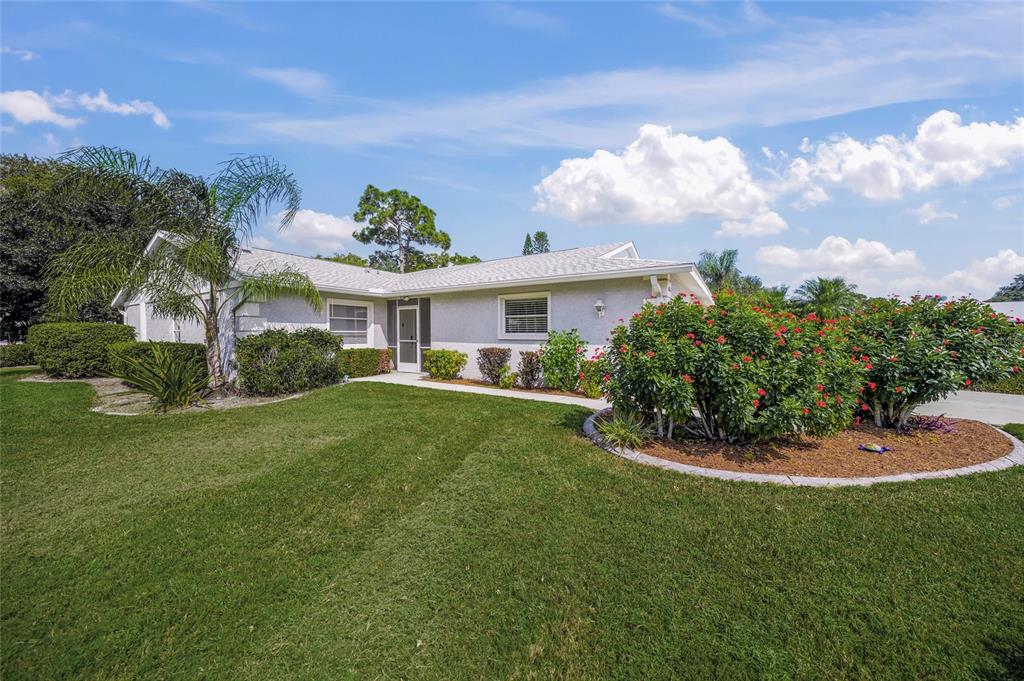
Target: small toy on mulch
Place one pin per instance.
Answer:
(877, 449)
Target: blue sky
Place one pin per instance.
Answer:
(881, 142)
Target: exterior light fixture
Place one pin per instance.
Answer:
(600, 308)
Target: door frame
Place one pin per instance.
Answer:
(399, 365)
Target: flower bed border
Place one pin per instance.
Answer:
(1014, 458)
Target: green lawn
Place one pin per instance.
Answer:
(378, 531)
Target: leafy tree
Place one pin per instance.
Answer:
(536, 243)
(719, 270)
(346, 259)
(829, 298)
(191, 273)
(1012, 292)
(37, 222)
(398, 222)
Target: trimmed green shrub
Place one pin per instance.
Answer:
(923, 350)
(277, 361)
(493, 362)
(735, 372)
(16, 355)
(529, 369)
(508, 379)
(357, 362)
(560, 358)
(120, 354)
(444, 365)
(76, 349)
(172, 377)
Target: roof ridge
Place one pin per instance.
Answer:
(611, 247)
(364, 268)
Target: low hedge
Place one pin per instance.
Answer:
(1013, 384)
(117, 353)
(76, 349)
(356, 362)
(16, 355)
(444, 365)
(277, 361)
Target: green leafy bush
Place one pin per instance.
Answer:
(357, 362)
(923, 350)
(76, 349)
(277, 361)
(444, 365)
(172, 377)
(529, 369)
(560, 358)
(626, 431)
(735, 372)
(118, 354)
(508, 379)
(16, 355)
(493, 362)
(594, 376)
(1011, 385)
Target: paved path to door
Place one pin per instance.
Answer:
(993, 408)
(420, 381)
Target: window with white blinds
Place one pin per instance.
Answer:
(350, 321)
(525, 316)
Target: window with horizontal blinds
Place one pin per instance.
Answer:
(351, 322)
(526, 315)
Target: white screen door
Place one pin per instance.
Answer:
(408, 339)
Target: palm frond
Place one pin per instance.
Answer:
(266, 285)
(248, 186)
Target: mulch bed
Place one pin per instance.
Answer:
(485, 384)
(838, 456)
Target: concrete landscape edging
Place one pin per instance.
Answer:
(1014, 458)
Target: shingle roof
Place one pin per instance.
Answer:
(591, 262)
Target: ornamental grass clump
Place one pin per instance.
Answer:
(735, 371)
(921, 351)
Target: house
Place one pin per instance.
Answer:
(511, 302)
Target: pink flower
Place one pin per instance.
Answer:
(757, 404)
(688, 378)
(720, 340)
(967, 381)
(747, 359)
(760, 391)
(650, 353)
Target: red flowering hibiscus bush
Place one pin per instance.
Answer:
(923, 350)
(733, 371)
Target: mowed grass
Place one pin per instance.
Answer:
(378, 531)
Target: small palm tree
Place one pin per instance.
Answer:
(829, 298)
(192, 272)
(719, 269)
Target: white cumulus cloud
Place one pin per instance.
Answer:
(26, 106)
(943, 151)
(764, 224)
(101, 102)
(320, 232)
(929, 212)
(980, 278)
(659, 178)
(838, 255)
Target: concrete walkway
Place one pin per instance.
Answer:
(993, 408)
(421, 381)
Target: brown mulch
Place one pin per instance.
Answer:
(485, 384)
(838, 456)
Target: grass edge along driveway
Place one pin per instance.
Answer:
(377, 531)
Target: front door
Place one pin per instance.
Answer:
(408, 339)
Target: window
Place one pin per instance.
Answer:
(523, 316)
(351, 320)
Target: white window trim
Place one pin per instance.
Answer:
(502, 334)
(368, 304)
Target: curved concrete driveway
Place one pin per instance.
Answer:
(993, 408)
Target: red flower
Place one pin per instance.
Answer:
(757, 403)
(1016, 370)
(839, 399)
(760, 391)
(872, 385)
(782, 341)
(582, 375)
(711, 322)
(795, 353)
(806, 411)
(869, 366)
(623, 349)
(720, 340)
(747, 359)
(696, 342)
(818, 350)
(650, 353)
(734, 365)
(658, 311)
(864, 358)
(690, 335)
(863, 407)
(820, 387)
(797, 329)
(821, 403)
(688, 378)
(857, 420)
(898, 388)
(967, 381)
